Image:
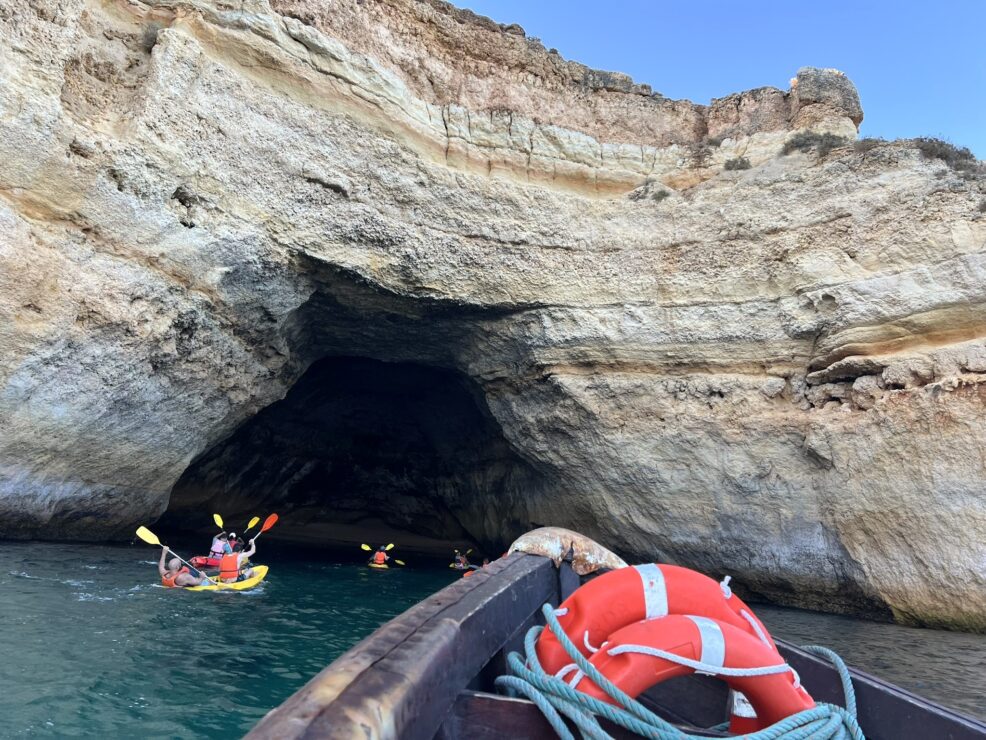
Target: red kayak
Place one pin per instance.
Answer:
(203, 561)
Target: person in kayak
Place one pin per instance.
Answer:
(220, 546)
(176, 575)
(461, 561)
(231, 566)
(380, 557)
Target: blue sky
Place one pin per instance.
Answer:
(920, 67)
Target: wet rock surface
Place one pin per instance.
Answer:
(774, 372)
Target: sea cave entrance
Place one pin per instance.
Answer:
(363, 450)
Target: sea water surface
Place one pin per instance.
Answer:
(93, 647)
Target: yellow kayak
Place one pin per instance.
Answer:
(381, 566)
(259, 573)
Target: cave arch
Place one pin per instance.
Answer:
(361, 449)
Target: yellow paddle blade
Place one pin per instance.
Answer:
(148, 536)
(390, 546)
(399, 562)
(366, 547)
(252, 524)
(218, 520)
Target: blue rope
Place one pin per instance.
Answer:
(558, 701)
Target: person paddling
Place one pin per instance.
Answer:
(231, 565)
(380, 557)
(220, 546)
(461, 561)
(176, 575)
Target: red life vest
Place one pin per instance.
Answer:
(379, 557)
(169, 581)
(229, 567)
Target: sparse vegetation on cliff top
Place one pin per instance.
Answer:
(805, 141)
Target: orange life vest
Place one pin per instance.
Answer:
(379, 557)
(229, 567)
(169, 581)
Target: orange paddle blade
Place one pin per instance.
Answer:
(269, 522)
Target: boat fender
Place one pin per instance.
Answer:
(621, 597)
(647, 653)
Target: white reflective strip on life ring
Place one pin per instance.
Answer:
(655, 590)
(713, 643)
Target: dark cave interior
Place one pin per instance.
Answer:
(363, 450)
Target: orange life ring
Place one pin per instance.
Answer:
(713, 647)
(628, 595)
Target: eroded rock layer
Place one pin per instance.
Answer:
(681, 341)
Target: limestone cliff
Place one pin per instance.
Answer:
(661, 330)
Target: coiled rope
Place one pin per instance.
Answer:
(557, 700)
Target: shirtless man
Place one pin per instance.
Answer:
(175, 575)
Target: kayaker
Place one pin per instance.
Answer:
(232, 541)
(231, 566)
(176, 575)
(380, 557)
(461, 561)
(220, 546)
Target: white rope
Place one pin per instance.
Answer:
(724, 585)
(588, 645)
(561, 612)
(756, 627)
(565, 670)
(698, 666)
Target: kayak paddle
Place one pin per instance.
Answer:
(218, 520)
(252, 524)
(399, 562)
(366, 547)
(151, 539)
(268, 523)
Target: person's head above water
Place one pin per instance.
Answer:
(382, 548)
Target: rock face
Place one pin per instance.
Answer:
(775, 372)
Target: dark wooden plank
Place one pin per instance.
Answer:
(568, 580)
(884, 711)
(481, 716)
(401, 681)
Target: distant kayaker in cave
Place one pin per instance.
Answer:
(380, 557)
(461, 561)
(176, 575)
(231, 566)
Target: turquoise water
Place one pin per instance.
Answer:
(93, 647)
